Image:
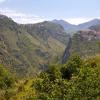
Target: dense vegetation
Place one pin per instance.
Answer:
(75, 80)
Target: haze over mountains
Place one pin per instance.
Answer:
(71, 27)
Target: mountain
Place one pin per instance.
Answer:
(67, 26)
(95, 27)
(72, 28)
(28, 49)
(86, 43)
(89, 24)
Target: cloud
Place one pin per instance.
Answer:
(2, 1)
(77, 21)
(20, 17)
(24, 18)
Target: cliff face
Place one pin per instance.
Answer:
(66, 54)
(84, 42)
(89, 34)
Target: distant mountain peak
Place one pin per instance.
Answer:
(67, 26)
(61, 21)
(71, 28)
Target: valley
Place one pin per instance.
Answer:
(47, 61)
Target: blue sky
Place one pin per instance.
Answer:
(32, 11)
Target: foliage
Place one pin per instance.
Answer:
(75, 80)
(83, 82)
(6, 80)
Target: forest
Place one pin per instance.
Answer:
(78, 79)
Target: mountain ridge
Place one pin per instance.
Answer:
(71, 28)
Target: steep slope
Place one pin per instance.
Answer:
(47, 29)
(86, 43)
(27, 49)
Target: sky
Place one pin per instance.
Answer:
(33, 11)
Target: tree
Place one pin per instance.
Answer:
(6, 80)
(72, 67)
(54, 72)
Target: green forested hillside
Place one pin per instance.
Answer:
(78, 79)
(27, 49)
(75, 80)
(85, 45)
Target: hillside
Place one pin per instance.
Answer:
(86, 43)
(27, 49)
(96, 28)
